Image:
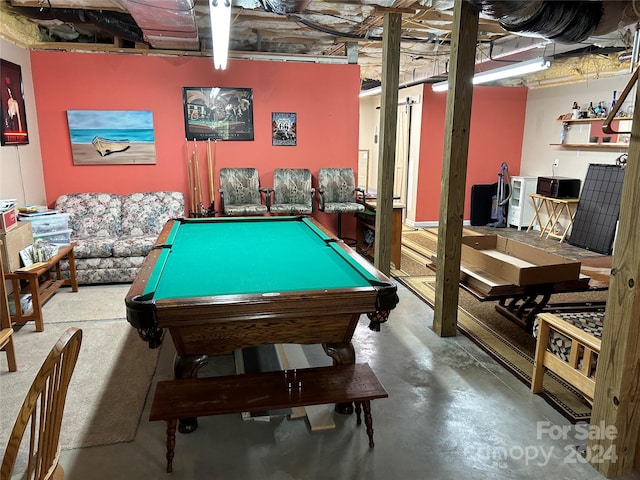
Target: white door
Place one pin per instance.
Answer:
(403, 135)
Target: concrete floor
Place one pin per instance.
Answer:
(453, 413)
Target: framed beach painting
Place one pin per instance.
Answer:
(218, 113)
(14, 118)
(102, 137)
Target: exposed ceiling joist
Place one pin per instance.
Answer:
(292, 28)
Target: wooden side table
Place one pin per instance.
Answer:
(37, 281)
(396, 232)
(556, 208)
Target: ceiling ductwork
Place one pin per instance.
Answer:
(166, 24)
(561, 21)
(508, 30)
(163, 24)
(113, 23)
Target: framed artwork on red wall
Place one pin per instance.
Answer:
(284, 128)
(112, 137)
(14, 118)
(217, 113)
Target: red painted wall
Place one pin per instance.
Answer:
(325, 98)
(495, 136)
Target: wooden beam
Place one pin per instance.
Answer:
(380, 11)
(454, 168)
(441, 16)
(387, 149)
(615, 418)
(352, 52)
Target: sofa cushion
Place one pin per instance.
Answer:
(104, 263)
(133, 246)
(144, 214)
(98, 247)
(92, 215)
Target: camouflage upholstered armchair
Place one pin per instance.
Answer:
(240, 192)
(337, 194)
(292, 191)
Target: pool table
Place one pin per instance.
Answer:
(219, 284)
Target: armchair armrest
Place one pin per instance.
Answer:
(267, 196)
(221, 191)
(312, 192)
(320, 198)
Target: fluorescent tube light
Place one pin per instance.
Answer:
(440, 86)
(370, 91)
(220, 15)
(514, 70)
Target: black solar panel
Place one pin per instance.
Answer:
(594, 225)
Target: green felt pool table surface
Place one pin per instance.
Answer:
(219, 284)
(229, 256)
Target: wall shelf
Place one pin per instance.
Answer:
(586, 133)
(591, 145)
(589, 120)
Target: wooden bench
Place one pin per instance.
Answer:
(578, 370)
(198, 397)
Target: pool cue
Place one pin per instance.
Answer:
(212, 192)
(190, 176)
(194, 158)
(199, 180)
(215, 153)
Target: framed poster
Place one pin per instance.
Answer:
(103, 137)
(283, 128)
(218, 113)
(14, 118)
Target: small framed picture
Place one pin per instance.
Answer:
(14, 118)
(284, 129)
(624, 138)
(26, 255)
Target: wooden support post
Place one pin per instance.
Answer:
(615, 419)
(387, 149)
(454, 167)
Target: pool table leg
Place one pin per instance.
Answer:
(342, 353)
(187, 367)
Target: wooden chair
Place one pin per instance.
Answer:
(41, 413)
(6, 332)
(292, 192)
(578, 370)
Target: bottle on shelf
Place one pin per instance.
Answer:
(575, 110)
(613, 102)
(601, 110)
(591, 113)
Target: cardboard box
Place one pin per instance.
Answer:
(517, 262)
(8, 219)
(16, 239)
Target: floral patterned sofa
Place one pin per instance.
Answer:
(114, 233)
